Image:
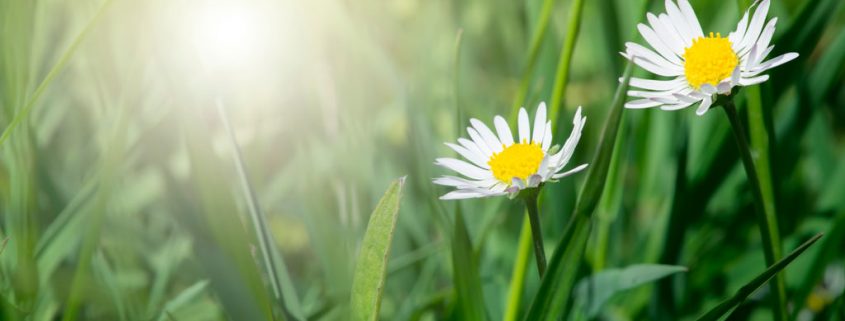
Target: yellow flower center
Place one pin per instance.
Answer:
(517, 160)
(709, 60)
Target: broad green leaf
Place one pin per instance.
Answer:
(550, 300)
(371, 269)
(465, 264)
(749, 288)
(593, 292)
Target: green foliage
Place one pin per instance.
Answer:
(371, 269)
(121, 197)
(593, 292)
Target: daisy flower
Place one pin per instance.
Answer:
(498, 165)
(701, 66)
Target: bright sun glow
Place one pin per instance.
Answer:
(226, 35)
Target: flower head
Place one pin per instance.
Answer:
(702, 66)
(498, 165)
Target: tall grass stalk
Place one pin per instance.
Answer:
(536, 43)
(255, 213)
(22, 114)
(760, 181)
(520, 266)
(562, 75)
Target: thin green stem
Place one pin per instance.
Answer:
(518, 274)
(536, 230)
(255, 214)
(533, 53)
(562, 75)
(51, 75)
(765, 210)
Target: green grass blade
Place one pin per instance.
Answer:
(555, 289)
(759, 136)
(562, 75)
(257, 217)
(536, 43)
(371, 269)
(753, 285)
(51, 75)
(465, 264)
(592, 293)
(520, 265)
(183, 298)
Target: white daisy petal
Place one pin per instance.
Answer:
(654, 41)
(735, 76)
(463, 168)
(736, 37)
(755, 26)
(565, 153)
(652, 84)
(753, 81)
(708, 89)
(655, 69)
(518, 182)
(487, 134)
(524, 128)
(504, 130)
(705, 105)
(635, 49)
(679, 22)
(534, 180)
(762, 56)
(776, 61)
(749, 59)
(676, 106)
(539, 124)
(465, 194)
(766, 35)
(570, 172)
(482, 145)
(724, 87)
(472, 147)
(684, 98)
(667, 34)
(692, 20)
(463, 182)
(547, 138)
(469, 155)
(641, 103)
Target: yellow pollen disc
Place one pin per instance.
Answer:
(709, 60)
(517, 160)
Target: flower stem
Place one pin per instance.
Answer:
(536, 232)
(765, 210)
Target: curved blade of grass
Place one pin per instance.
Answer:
(371, 269)
(562, 75)
(184, 297)
(593, 292)
(753, 285)
(520, 265)
(467, 282)
(257, 218)
(51, 75)
(759, 136)
(556, 287)
(536, 43)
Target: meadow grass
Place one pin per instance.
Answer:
(141, 180)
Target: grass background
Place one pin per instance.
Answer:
(120, 200)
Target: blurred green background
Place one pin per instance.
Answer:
(119, 191)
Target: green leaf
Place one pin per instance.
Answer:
(183, 298)
(593, 292)
(757, 282)
(465, 264)
(550, 300)
(371, 269)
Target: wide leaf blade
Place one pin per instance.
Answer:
(371, 269)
